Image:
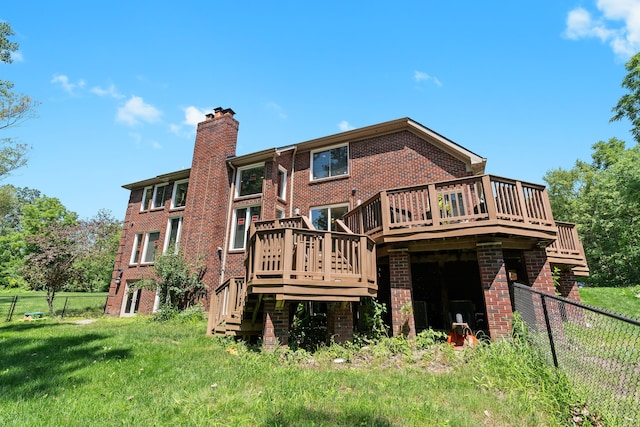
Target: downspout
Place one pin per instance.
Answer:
(222, 253)
(293, 170)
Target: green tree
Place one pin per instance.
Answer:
(95, 262)
(14, 108)
(603, 199)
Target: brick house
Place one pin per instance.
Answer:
(393, 210)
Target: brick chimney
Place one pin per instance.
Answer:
(205, 215)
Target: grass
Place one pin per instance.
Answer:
(78, 304)
(625, 301)
(138, 372)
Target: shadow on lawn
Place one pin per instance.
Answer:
(305, 416)
(43, 365)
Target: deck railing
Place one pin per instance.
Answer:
(568, 249)
(229, 301)
(310, 264)
(450, 204)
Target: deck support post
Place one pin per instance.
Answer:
(402, 320)
(276, 325)
(339, 322)
(495, 288)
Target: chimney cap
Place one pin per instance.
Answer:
(219, 112)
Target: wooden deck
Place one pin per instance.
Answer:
(461, 213)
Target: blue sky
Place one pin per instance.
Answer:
(527, 84)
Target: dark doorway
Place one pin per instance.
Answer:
(445, 290)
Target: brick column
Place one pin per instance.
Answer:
(539, 270)
(495, 287)
(402, 320)
(568, 285)
(276, 325)
(339, 322)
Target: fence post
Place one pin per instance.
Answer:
(64, 309)
(549, 333)
(12, 307)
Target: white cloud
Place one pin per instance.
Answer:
(344, 126)
(111, 92)
(617, 23)
(420, 76)
(136, 110)
(16, 57)
(193, 116)
(66, 85)
(277, 109)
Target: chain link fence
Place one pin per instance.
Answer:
(20, 306)
(598, 351)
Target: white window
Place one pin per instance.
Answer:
(324, 217)
(159, 195)
(147, 196)
(280, 213)
(172, 239)
(281, 184)
(150, 247)
(179, 196)
(131, 301)
(242, 217)
(249, 180)
(137, 249)
(327, 163)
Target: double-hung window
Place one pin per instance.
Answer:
(242, 217)
(324, 217)
(150, 247)
(159, 195)
(281, 184)
(331, 162)
(172, 239)
(179, 197)
(249, 180)
(147, 197)
(137, 249)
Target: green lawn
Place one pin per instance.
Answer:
(72, 304)
(625, 301)
(136, 372)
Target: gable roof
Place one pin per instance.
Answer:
(475, 163)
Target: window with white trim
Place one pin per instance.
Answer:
(280, 213)
(131, 301)
(179, 196)
(150, 247)
(137, 249)
(328, 163)
(147, 196)
(172, 239)
(242, 217)
(281, 184)
(159, 195)
(249, 180)
(324, 217)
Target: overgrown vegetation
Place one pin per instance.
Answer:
(124, 372)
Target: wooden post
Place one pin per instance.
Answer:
(521, 202)
(489, 199)
(434, 205)
(384, 206)
(287, 254)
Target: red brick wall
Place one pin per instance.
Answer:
(138, 222)
(340, 322)
(539, 270)
(275, 326)
(402, 320)
(495, 286)
(568, 285)
(388, 161)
